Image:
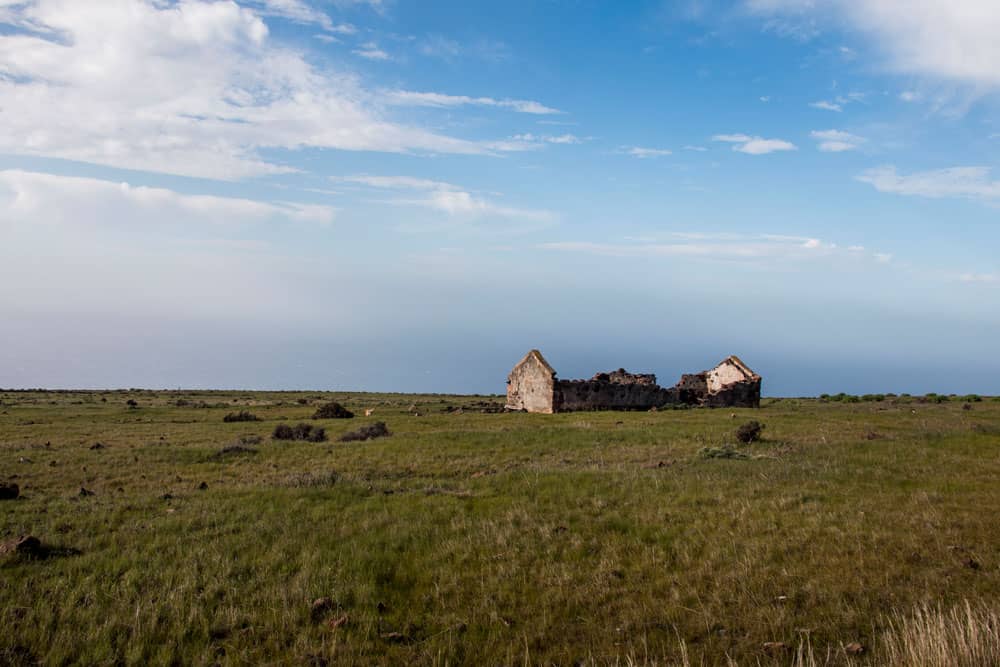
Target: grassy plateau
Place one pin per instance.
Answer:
(864, 532)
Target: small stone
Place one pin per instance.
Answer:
(320, 608)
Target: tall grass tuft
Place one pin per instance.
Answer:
(966, 635)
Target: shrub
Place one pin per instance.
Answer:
(749, 431)
(233, 450)
(241, 416)
(376, 430)
(724, 452)
(332, 410)
(306, 432)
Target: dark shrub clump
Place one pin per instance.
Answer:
(376, 430)
(749, 432)
(233, 450)
(332, 410)
(306, 432)
(241, 416)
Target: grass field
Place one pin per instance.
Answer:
(492, 539)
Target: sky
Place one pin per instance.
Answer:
(392, 195)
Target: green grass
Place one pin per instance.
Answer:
(486, 539)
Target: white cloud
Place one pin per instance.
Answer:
(733, 247)
(826, 106)
(642, 152)
(732, 138)
(114, 248)
(953, 41)
(957, 182)
(395, 182)
(529, 142)
(563, 139)
(293, 10)
(416, 99)
(837, 141)
(36, 198)
(371, 51)
(979, 278)
(440, 47)
(195, 88)
(755, 145)
(446, 197)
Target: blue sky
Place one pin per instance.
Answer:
(393, 195)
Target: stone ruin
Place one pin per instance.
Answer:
(532, 386)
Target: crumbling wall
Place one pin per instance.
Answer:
(692, 388)
(742, 394)
(600, 393)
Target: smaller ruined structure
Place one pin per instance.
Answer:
(730, 384)
(532, 386)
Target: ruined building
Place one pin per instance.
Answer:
(533, 386)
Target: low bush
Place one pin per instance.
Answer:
(749, 432)
(724, 452)
(376, 430)
(332, 410)
(306, 432)
(241, 416)
(233, 450)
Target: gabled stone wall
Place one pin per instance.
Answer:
(531, 385)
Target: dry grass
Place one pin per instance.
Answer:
(967, 635)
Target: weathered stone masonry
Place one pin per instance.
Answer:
(533, 386)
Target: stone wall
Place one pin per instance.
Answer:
(745, 394)
(692, 388)
(601, 394)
